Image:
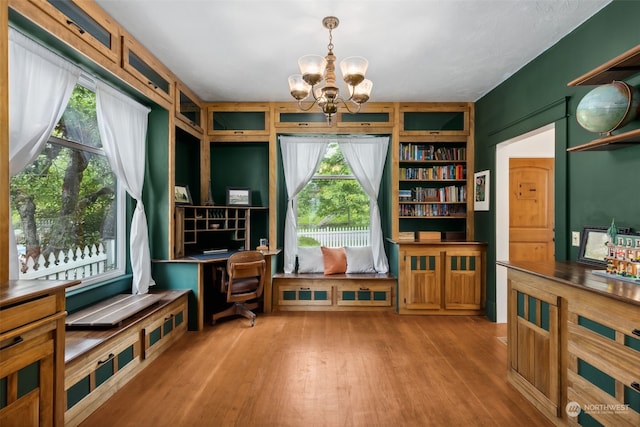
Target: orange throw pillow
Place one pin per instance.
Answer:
(335, 260)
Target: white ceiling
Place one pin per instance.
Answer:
(428, 50)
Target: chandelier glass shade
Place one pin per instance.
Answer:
(316, 70)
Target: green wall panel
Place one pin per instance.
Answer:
(590, 186)
(179, 275)
(187, 164)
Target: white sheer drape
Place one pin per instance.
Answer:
(366, 157)
(122, 123)
(40, 85)
(301, 156)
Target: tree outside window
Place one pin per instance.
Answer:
(67, 201)
(332, 200)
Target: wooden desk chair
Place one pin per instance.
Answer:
(242, 281)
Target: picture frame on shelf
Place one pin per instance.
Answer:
(593, 246)
(238, 196)
(481, 190)
(182, 195)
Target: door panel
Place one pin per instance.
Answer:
(531, 212)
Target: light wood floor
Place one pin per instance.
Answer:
(327, 369)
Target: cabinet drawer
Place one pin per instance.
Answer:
(603, 345)
(314, 294)
(27, 373)
(164, 327)
(112, 353)
(364, 295)
(16, 316)
(138, 62)
(86, 21)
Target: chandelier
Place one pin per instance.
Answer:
(314, 69)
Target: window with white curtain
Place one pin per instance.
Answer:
(333, 208)
(68, 209)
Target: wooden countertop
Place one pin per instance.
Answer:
(579, 276)
(15, 291)
(209, 258)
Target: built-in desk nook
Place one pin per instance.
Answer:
(574, 342)
(195, 272)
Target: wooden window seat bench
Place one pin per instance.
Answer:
(335, 292)
(99, 360)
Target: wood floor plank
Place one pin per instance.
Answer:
(327, 369)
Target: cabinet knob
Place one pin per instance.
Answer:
(635, 385)
(636, 332)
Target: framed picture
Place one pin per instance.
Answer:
(238, 196)
(481, 190)
(593, 246)
(182, 195)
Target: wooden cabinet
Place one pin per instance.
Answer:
(374, 117)
(32, 317)
(88, 24)
(139, 63)
(201, 228)
(441, 278)
(574, 343)
(432, 119)
(621, 67)
(100, 361)
(534, 355)
(188, 109)
(434, 170)
(604, 358)
(233, 121)
(338, 292)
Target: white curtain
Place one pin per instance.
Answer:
(301, 156)
(366, 157)
(122, 123)
(40, 85)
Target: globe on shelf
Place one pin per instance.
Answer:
(608, 107)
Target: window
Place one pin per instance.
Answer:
(67, 206)
(333, 209)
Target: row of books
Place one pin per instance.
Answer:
(429, 210)
(429, 152)
(435, 173)
(449, 194)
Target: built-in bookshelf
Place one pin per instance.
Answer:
(433, 169)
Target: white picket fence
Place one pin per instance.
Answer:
(338, 236)
(77, 263)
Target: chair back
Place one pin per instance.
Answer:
(245, 272)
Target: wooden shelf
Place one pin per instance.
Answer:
(612, 142)
(622, 66)
(619, 68)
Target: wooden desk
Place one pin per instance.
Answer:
(168, 277)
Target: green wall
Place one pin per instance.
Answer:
(591, 187)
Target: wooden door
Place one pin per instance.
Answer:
(531, 211)
(423, 280)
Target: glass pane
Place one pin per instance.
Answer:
(246, 120)
(79, 122)
(434, 121)
(365, 117)
(333, 209)
(302, 117)
(148, 72)
(84, 21)
(189, 109)
(64, 204)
